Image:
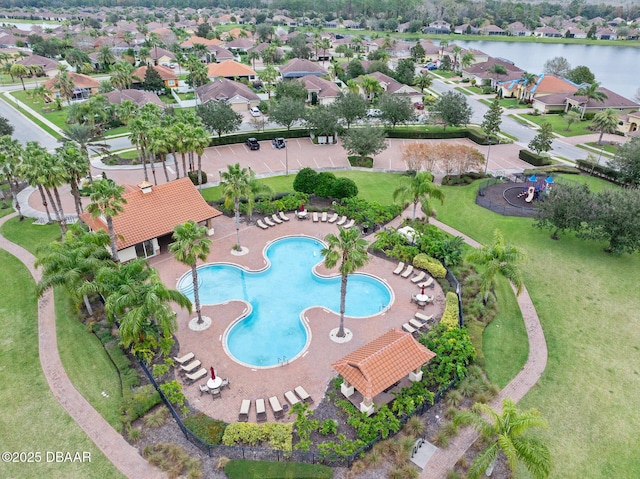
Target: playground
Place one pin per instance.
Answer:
(516, 198)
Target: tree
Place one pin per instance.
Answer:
(590, 92)
(498, 258)
(65, 86)
(306, 180)
(106, 57)
(218, 117)
(605, 122)
(541, 143)
(627, 162)
(365, 141)
(6, 128)
(468, 59)
(419, 189)
(32, 171)
(107, 201)
(255, 188)
(505, 432)
(20, 71)
(76, 58)
(396, 109)
(190, 245)
(299, 48)
(417, 52)
(350, 107)
(424, 80)
(452, 109)
(10, 166)
(456, 51)
(322, 120)
(406, 71)
(287, 111)
(252, 56)
(349, 251)
(121, 75)
(566, 208)
(355, 69)
(570, 118)
(371, 86)
(198, 74)
(497, 70)
(83, 136)
(292, 89)
(153, 81)
(558, 66)
(268, 76)
(235, 186)
(492, 120)
(264, 32)
(160, 144)
(76, 166)
(581, 74)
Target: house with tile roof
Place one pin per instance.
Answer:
(518, 29)
(238, 95)
(320, 90)
(161, 56)
(238, 45)
(547, 93)
(394, 87)
(139, 97)
(49, 67)
(83, 86)
(614, 101)
(231, 69)
(190, 42)
(299, 67)
(481, 72)
(393, 359)
(168, 76)
(151, 213)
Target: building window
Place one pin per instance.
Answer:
(145, 249)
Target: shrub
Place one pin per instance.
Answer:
(324, 184)
(173, 459)
(208, 429)
(454, 351)
(431, 265)
(139, 403)
(156, 418)
(306, 181)
(344, 188)
(533, 159)
(193, 176)
(360, 162)
(451, 311)
(279, 436)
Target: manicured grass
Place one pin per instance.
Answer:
(586, 301)
(28, 235)
(560, 126)
(595, 184)
(244, 469)
(32, 419)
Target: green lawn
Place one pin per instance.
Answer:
(586, 302)
(245, 469)
(559, 125)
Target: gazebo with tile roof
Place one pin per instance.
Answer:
(378, 365)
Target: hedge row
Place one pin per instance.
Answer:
(533, 159)
(259, 135)
(451, 311)
(602, 171)
(279, 436)
(431, 265)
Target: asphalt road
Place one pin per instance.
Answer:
(24, 129)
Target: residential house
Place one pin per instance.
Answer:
(546, 94)
(299, 67)
(161, 56)
(481, 72)
(83, 86)
(466, 29)
(195, 40)
(547, 32)
(42, 65)
(217, 54)
(394, 87)
(614, 101)
(492, 30)
(138, 97)
(320, 90)
(262, 46)
(168, 76)
(239, 45)
(238, 95)
(438, 27)
(606, 33)
(518, 29)
(145, 226)
(630, 124)
(231, 69)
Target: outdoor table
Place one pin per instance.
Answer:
(214, 383)
(302, 214)
(422, 298)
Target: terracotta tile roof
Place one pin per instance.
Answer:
(79, 81)
(224, 89)
(381, 363)
(299, 67)
(229, 68)
(325, 88)
(139, 97)
(202, 41)
(547, 84)
(164, 72)
(40, 61)
(150, 215)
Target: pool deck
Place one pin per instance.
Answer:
(313, 368)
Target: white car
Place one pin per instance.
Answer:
(255, 111)
(373, 112)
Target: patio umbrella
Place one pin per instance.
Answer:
(549, 180)
(213, 373)
(302, 207)
(422, 290)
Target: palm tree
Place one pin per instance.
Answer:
(191, 244)
(505, 432)
(590, 92)
(65, 86)
(353, 86)
(160, 145)
(20, 71)
(107, 201)
(82, 135)
(252, 56)
(235, 185)
(467, 60)
(456, 50)
(419, 189)
(75, 164)
(605, 122)
(121, 75)
(499, 257)
(350, 251)
(126, 111)
(526, 80)
(497, 70)
(10, 159)
(31, 171)
(424, 80)
(371, 86)
(200, 141)
(255, 188)
(268, 76)
(53, 175)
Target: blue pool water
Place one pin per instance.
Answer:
(273, 330)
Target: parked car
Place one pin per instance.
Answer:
(278, 143)
(428, 67)
(419, 105)
(255, 111)
(374, 112)
(252, 144)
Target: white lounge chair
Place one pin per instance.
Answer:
(191, 367)
(245, 406)
(291, 398)
(278, 412)
(302, 394)
(341, 221)
(261, 411)
(408, 328)
(276, 219)
(350, 224)
(415, 323)
(408, 271)
(268, 221)
(283, 217)
(324, 217)
(333, 218)
(185, 358)
(199, 374)
(427, 283)
(399, 268)
(315, 216)
(418, 277)
(424, 317)
(262, 225)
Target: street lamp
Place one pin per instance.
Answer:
(486, 165)
(286, 158)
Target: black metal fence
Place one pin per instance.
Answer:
(502, 209)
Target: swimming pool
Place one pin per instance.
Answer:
(273, 331)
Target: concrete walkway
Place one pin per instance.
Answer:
(123, 456)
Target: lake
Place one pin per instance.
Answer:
(616, 68)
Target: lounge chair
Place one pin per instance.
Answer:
(427, 283)
(424, 317)
(261, 411)
(408, 271)
(268, 221)
(302, 394)
(199, 374)
(278, 412)
(276, 219)
(191, 367)
(324, 217)
(245, 406)
(415, 323)
(291, 398)
(408, 328)
(262, 225)
(283, 217)
(341, 221)
(333, 218)
(315, 216)
(418, 277)
(399, 268)
(185, 358)
(350, 224)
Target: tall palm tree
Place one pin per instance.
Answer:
(105, 57)
(200, 141)
(605, 122)
(121, 75)
(160, 145)
(349, 251)
(10, 166)
(235, 185)
(31, 171)
(505, 432)
(371, 86)
(65, 86)
(419, 189)
(499, 257)
(527, 80)
(107, 201)
(20, 71)
(182, 132)
(268, 76)
(191, 244)
(589, 93)
(456, 51)
(468, 58)
(424, 80)
(53, 175)
(83, 136)
(76, 166)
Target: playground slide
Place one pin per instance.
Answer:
(530, 191)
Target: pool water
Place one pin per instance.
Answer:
(273, 332)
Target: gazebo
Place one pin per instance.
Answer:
(375, 368)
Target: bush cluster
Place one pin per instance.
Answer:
(279, 436)
(431, 265)
(451, 311)
(533, 159)
(193, 176)
(139, 403)
(454, 352)
(367, 212)
(461, 180)
(206, 428)
(324, 184)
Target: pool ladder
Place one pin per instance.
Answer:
(282, 361)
